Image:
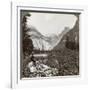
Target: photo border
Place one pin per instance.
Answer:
(15, 62)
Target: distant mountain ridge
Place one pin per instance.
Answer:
(40, 41)
(47, 42)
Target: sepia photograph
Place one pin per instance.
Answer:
(49, 44)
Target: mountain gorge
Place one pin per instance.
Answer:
(48, 42)
(41, 42)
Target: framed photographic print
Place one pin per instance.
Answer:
(47, 44)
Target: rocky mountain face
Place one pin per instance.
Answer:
(71, 36)
(42, 42)
(47, 42)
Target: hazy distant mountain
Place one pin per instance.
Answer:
(42, 42)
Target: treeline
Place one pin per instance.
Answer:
(27, 44)
(45, 51)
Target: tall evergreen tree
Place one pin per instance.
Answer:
(27, 44)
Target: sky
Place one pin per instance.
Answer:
(48, 23)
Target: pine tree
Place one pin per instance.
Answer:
(27, 44)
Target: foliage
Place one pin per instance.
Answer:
(27, 44)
